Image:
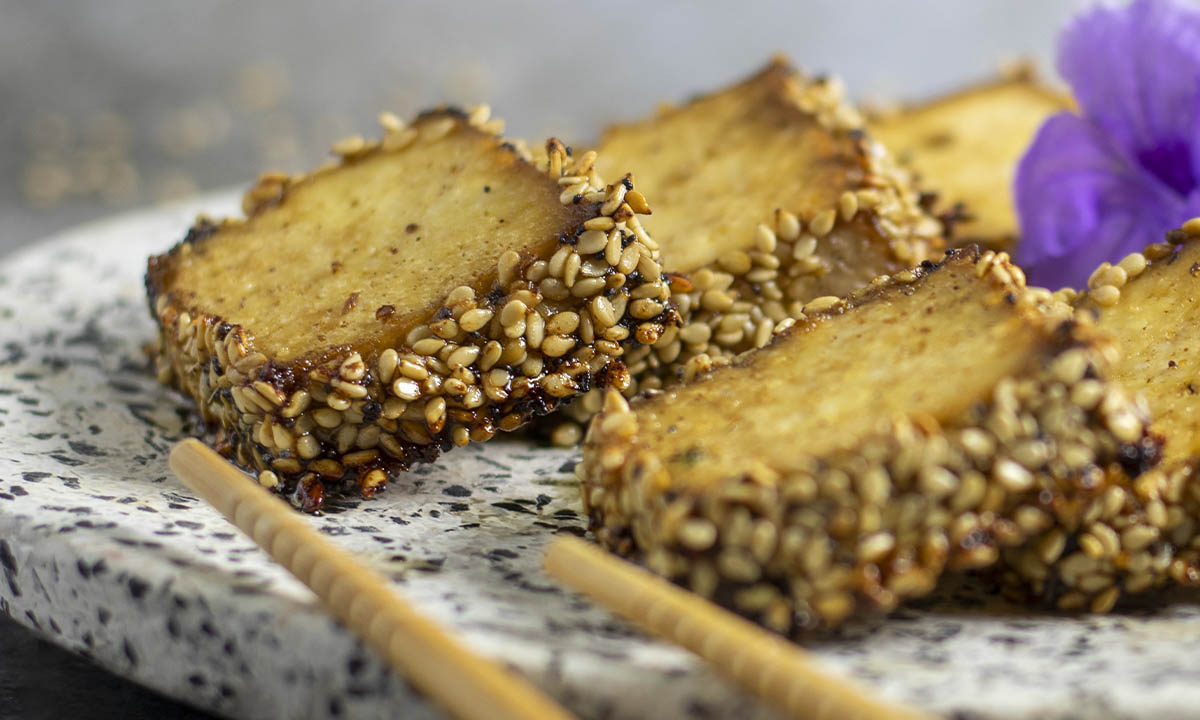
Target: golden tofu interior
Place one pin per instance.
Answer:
(966, 145)
(359, 254)
(825, 385)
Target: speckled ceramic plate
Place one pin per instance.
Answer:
(104, 552)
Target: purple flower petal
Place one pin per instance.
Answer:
(1135, 72)
(1081, 202)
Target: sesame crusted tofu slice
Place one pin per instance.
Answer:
(966, 145)
(918, 426)
(428, 290)
(1146, 534)
(767, 195)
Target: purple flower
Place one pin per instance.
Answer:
(1105, 183)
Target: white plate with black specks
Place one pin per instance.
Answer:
(104, 552)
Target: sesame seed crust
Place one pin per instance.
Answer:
(1140, 535)
(809, 542)
(342, 417)
(873, 224)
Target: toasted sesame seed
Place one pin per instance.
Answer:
(327, 418)
(337, 401)
(454, 387)
(289, 466)
(1105, 295)
(437, 129)
(350, 146)
(599, 223)
(479, 114)
(764, 238)
(532, 366)
(822, 223)
(822, 304)
(695, 333)
(462, 357)
(507, 267)
(399, 139)
(571, 269)
(937, 482)
(637, 202)
(602, 311)
(716, 300)
(1133, 264)
(562, 323)
(435, 414)
(361, 457)
(1012, 476)
(268, 479)
(475, 320)
(645, 309)
(512, 313)
(1109, 540)
(297, 404)
(387, 365)
(787, 225)
(1105, 601)
(588, 287)
(848, 205)
(1125, 426)
(390, 122)
(1087, 393)
(735, 261)
(406, 389)
(558, 385)
(349, 389)
(875, 547)
(1070, 366)
(1158, 251)
(428, 346)
(1138, 537)
(535, 329)
(557, 345)
(1156, 513)
(805, 246)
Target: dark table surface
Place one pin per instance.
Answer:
(40, 681)
(120, 104)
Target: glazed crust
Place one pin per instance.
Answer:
(867, 499)
(547, 318)
(965, 147)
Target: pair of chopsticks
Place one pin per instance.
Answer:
(470, 687)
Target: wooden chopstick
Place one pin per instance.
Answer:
(464, 684)
(760, 662)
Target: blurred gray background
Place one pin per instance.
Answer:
(123, 103)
